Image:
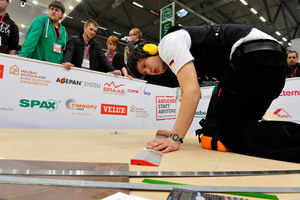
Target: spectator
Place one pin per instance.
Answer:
(82, 51)
(9, 32)
(250, 66)
(46, 37)
(293, 69)
(114, 57)
(135, 37)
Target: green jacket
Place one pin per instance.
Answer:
(40, 38)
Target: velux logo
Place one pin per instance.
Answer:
(111, 88)
(109, 109)
(282, 113)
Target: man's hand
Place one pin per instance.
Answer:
(116, 72)
(129, 76)
(164, 145)
(67, 65)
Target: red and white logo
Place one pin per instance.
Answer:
(282, 113)
(109, 109)
(133, 91)
(290, 93)
(1, 71)
(111, 88)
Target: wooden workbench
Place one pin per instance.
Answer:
(100, 146)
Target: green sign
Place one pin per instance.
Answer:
(166, 19)
(164, 27)
(167, 12)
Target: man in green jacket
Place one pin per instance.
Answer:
(46, 37)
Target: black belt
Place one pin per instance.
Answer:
(257, 46)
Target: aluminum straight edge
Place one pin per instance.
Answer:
(32, 172)
(142, 186)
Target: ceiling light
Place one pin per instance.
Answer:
(116, 33)
(244, 2)
(71, 7)
(262, 19)
(182, 13)
(123, 38)
(139, 5)
(68, 16)
(253, 10)
(22, 3)
(279, 34)
(289, 44)
(78, 0)
(35, 2)
(284, 39)
(22, 26)
(102, 28)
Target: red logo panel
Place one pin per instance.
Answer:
(109, 109)
(1, 71)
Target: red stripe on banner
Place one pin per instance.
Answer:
(1, 71)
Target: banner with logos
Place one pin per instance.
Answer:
(36, 94)
(285, 106)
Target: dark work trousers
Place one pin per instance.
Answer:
(246, 90)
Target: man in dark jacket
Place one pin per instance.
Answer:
(250, 66)
(293, 69)
(82, 51)
(9, 32)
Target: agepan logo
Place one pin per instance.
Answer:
(68, 81)
(50, 105)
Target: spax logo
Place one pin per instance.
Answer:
(50, 105)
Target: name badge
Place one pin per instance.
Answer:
(56, 48)
(85, 63)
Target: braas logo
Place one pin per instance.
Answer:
(14, 70)
(1, 71)
(68, 81)
(282, 113)
(111, 88)
(109, 109)
(50, 104)
(71, 104)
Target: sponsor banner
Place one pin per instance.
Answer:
(286, 105)
(38, 94)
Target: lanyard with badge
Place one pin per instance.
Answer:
(56, 46)
(0, 24)
(112, 58)
(86, 60)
